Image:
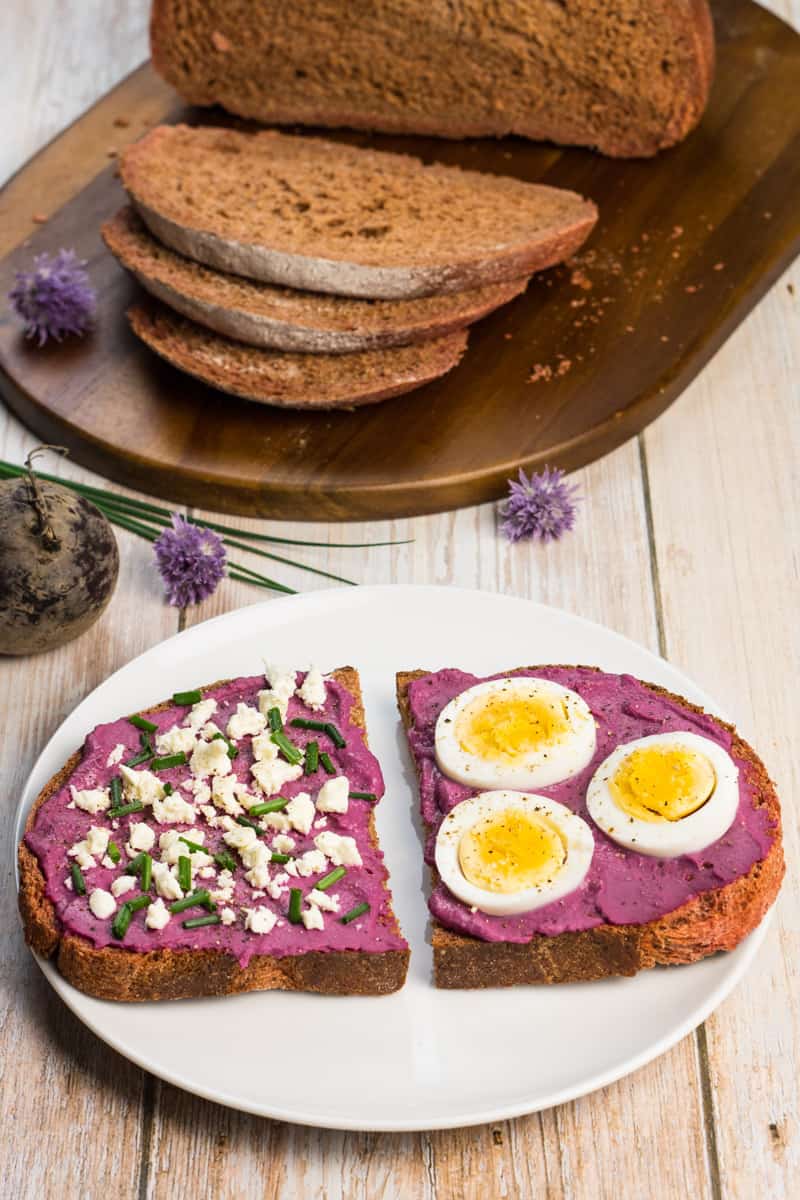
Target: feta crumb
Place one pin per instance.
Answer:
(108, 863)
(269, 699)
(141, 836)
(283, 844)
(300, 811)
(158, 915)
(80, 852)
(166, 883)
(199, 789)
(291, 867)
(224, 790)
(271, 776)
(321, 823)
(210, 758)
(116, 755)
(102, 903)
(263, 747)
(91, 800)
(333, 796)
(227, 916)
(277, 886)
(208, 811)
(258, 895)
(245, 720)
(259, 920)
(97, 840)
(223, 892)
(323, 900)
(312, 692)
(141, 785)
(313, 862)
(342, 851)
(240, 837)
(173, 810)
(210, 731)
(276, 820)
(200, 713)
(313, 918)
(176, 740)
(208, 872)
(123, 884)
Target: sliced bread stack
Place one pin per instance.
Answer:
(305, 273)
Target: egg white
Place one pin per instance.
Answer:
(576, 834)
(667, 839)
(560, 759)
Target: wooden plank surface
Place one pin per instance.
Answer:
(687, 539)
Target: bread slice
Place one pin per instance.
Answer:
(327, 217)
(288, 380)
(277, 318)
(711, 921)
(112, 973)
(628, 78)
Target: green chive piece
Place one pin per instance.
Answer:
(139, 902)
(232, 750)
(225, 860)
(335, 736)
(194, 847)
(78, 882)
(187, 697)
(288, 749)
(354, 913)
(168, 789)
(115, 787)
(325, 760)
(200, 896)
(295, 905)
(135, 865)
(268, 806)
(275, 720)
(199, 922)
(185, 873)
(330, 879)
(113, 852)
(280, 858)
(249, 824)
(119, 926)
(364, 796)
(168, 761)
(146, 873)
(302, 723)
(143, 724)
(312, 758)
(143, 757)
(125, 809)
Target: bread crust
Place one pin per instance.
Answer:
(112, 973)
(714, 920)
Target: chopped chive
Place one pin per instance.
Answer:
(364, 796)
(225, 861)
(358, 911)
(78, 882)
(113, 853)
(302, 723)
(142, 757)
(143, 724)
(280, 858)
(312, 758)
(219, 736)
(295, 905)
(268, 806)
(330, 879)
(275, 720)
(335, 736)
(198, 922)
(248, 824)
(135, 865)
(200, 896)
(115, 787)
(288, 749)
(187, 697)
(185, 872)
(325, 760)
(119, 926)
(146, 873)
(139, 902)
(168, 761)
(168, 789)
(194, 847)
(124, 809)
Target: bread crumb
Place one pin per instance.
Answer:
(539, 372)
(112, 153)
(677, 232)
(720, 266)
(39, 219)
(580, 279)
(790, 288)
(664, 337)
(220, 42)
(121, 122)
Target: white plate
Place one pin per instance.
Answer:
(421, 1059)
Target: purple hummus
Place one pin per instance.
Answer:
(621, 887)
(59, 825)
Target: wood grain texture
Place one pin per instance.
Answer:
(686, 245)
(699, 548)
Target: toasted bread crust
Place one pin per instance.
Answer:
(711, 921)
(110, 973)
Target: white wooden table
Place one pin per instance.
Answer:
(687, 541)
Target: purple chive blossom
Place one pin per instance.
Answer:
(55, 298)
(541, 507)
(191, 561)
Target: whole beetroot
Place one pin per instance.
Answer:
(58, 565)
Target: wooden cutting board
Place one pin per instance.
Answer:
(686, 245)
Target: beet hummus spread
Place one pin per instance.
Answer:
(622, 886)
(232, 764)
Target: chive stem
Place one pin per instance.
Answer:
(168, 761)
(124, 810)
(78, 882)
(302, 723)
(113, 852)
(325, 760)
(115, 787)
(268, 806)
(185, 873)
(354, 913)
(280, 858)
(364, 796)
(199, 922)
(187, 698)
(290, 752)
(295, 905)
(312, 758)
(330, 879)
(275, 720)
(142, 723)
(146, 873)
(199, 896)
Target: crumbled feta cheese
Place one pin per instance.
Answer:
(263, 747)
(271, 776)
(323, 900)
(173, 810)
(311, 863)
(240, 837)
(116, 755)
(68, 884)
(143, 786)
(276, 820)
(276, 888)
(321, 823)
(91, 800)
(172, 848)
(313, 918)
(158, 915)
(200, 713)
(300, 811)
(123, 884)
(259, 920)
(283, 844)
(227, 916)
(199, 789)
(210, 731)
(245, 720)
(223, 892)
(97, 840)
(176, 740)
(166, 883)
(224, 790)
(107, 862)
(312, 692)
(342, 851)
(208, 872)
(210, 758)
(141, 836)
(333, 796)
(222, 821)
(291, 867)
(102, 904)
(208, 811)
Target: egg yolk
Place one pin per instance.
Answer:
(511, 851)
(496, 727)
(663, 783)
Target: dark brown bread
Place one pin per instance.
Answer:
(628, 78)
(271, 317)
(288, 380)
(117, 974)
(712, 921)
(323, 216)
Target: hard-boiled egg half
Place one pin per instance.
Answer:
(508, 852)
(665, 795)
(517, 732)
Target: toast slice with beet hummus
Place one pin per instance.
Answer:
(220, 842)
(652, 838)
